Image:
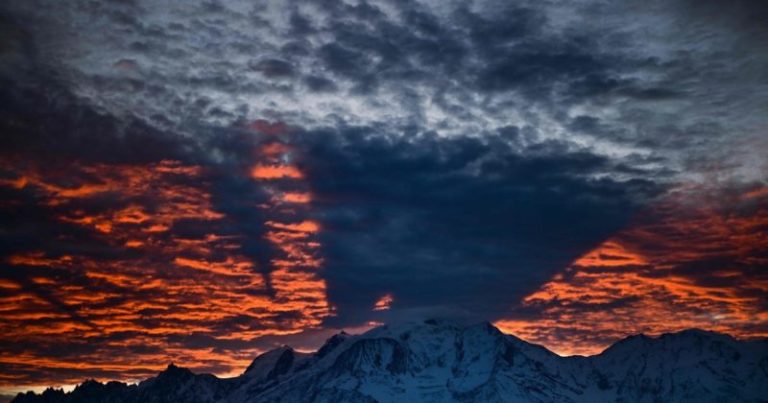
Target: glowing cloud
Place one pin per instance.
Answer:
(276, 172)
(384, 303)
(689, 262)
(157, 292)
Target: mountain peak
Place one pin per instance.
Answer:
(331, 343)
(271, 362)
(696, 332)
(446, 360)
(683, 337)
(174, 370)
(449, 324)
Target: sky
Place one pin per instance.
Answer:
(200, 181)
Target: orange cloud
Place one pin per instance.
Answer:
(688, 262)
(126, 316)
(610, 254)
(304, 226)
(295, 197)
(384, 303)
(276, 172)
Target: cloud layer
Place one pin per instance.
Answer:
(198, 181)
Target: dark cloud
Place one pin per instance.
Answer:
(320, 84)
(466, 222)
(274, 68)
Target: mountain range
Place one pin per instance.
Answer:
(445, 361)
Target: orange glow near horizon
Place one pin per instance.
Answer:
(136, 310)
(679, 267)
(147, 270)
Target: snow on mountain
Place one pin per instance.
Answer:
(686, 366)
(443, 361)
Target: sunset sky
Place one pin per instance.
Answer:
(200, 181)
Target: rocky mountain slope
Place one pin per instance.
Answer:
(440, 361)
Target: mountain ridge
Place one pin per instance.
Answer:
(438, 360)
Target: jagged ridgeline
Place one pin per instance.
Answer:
(439, 361)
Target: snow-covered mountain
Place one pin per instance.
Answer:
(441, 361)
